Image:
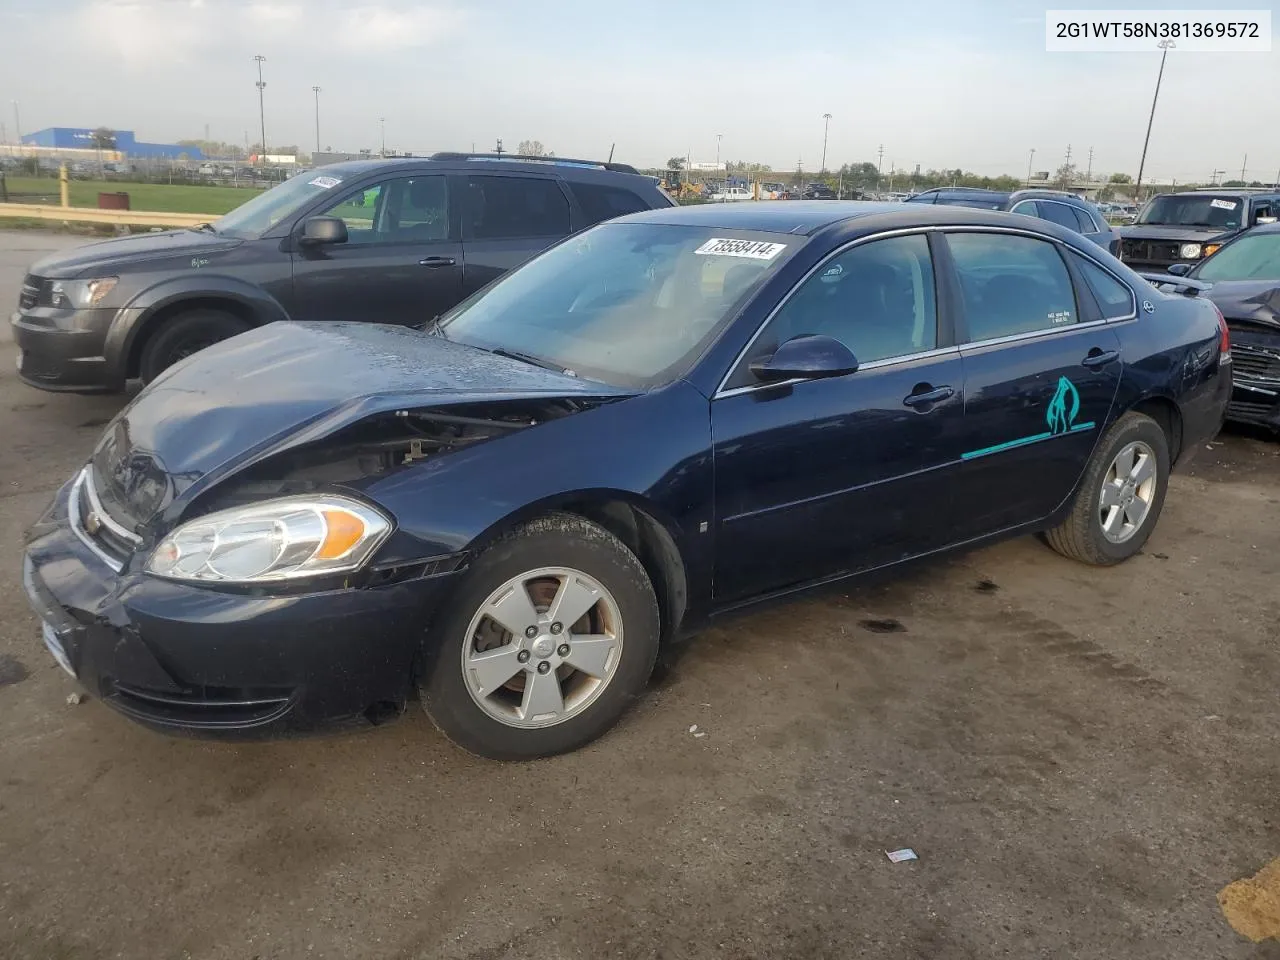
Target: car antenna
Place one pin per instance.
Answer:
(611, 146)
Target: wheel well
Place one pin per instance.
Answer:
(652, 544)
(149, 325)
(1166, 413)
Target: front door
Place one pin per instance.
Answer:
(1040, 379)
(822, 477)
(402, 262)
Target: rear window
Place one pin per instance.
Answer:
(1059, 213)
(505, 208)
(600, 202)
(1114, 298)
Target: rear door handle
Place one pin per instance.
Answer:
(437, 262)
(1098, 358)
(935, 395)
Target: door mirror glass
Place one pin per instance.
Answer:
(808, 357)
(318, 230)
(1180, 269)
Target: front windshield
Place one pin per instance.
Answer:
(1254, 257)
(264, 211)
(624, 303)
(1193, 210)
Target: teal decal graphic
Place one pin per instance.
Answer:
(1060, 418)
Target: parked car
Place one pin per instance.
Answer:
(731, 193)
(1187, 227)
(1243, 279)
(1057, 206)
(398, 241)
(644, 428)
(818, 191)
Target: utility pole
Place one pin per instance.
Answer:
(1213, 177)
(262, 114)
(1244, 165)
(879, 164)
(826, 123)
(718, 136)
(382, 123)
(17, 123)
(1030, 159)
(498, 148)
(316, 91)
(1164, 55)
(1088, 176)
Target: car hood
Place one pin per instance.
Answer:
(1256, 301)
(107, 255)
(1181, 234)
(287, 384)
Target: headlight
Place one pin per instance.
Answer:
(1211, 248)
(80, 293)
(275, 540)
(1189, 251)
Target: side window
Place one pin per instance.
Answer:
(604, 203)
(877, 298)
(1262, 210)
(359, 211)
(504, 208)
(1011, 284)
(1114, 298)
(1087, 223)
(1059, 213)
(1025, 207)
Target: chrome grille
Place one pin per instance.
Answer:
(111, 542)
(1255, 364)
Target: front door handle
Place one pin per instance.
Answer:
(929, 396)
(437, 262)
(1099, 358)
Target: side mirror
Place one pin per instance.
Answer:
(1179, 269)
(809, 357)
(317, 230)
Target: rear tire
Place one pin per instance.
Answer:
(1120, 496)
(577, 647)
(179, 336)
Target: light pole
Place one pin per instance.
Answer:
(1164, 55)
(317, 93)
(879, 165)
(826, 123)
(262, 115)
(718, 136)
(383, 122)
(1030, 159)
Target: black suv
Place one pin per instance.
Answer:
(1187, 227)
(390, 241)
(1056, 206)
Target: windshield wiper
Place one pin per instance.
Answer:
(531, 360)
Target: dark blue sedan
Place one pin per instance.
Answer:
(658, 421)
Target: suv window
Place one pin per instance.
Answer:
(1060, 213)
(403, 210)
(1011, 284)
(600, 202)
(876, 298)
(1114, 298)
(504, 208)
(1087, 223)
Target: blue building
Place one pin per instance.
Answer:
(81, 138)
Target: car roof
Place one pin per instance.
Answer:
(484, 163)
(806, 217)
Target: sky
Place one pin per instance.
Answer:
(936, 82)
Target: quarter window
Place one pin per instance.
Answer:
(1114, 298)
(505, 208)
(1087, 223)
(1059, 213)
(1011, 284)
(877, 298)
(604, 203)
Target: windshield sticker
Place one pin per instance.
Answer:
(1223, 204)
(750, 249)
(327, 183)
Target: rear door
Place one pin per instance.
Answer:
(402, 262)
(506, 219)
(818, 478)
(1042, 368)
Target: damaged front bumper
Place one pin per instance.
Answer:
(1255, 397)
(186, 658)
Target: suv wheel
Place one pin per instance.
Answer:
(181, 335)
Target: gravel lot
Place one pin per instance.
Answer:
(1082, 758)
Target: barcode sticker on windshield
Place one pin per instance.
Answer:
(751, 249)
(328, 183)
(1223, 204)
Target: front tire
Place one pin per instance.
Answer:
(550, 637)
(1120, 496)
(184, 334)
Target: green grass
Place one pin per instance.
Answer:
(175, 198)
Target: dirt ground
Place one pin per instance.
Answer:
(1081, 758)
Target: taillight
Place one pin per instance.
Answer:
(1224, 336)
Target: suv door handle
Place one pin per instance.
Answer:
(929, 396)
(437, 262)
(1098, 358)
